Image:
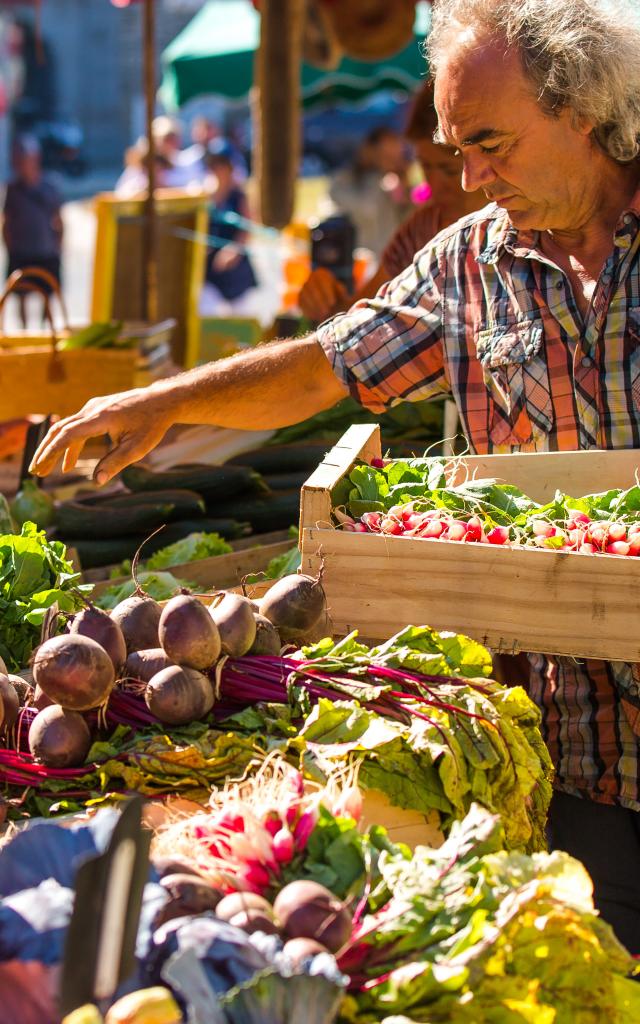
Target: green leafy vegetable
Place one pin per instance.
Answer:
(159, 585)
(35, 575)
(476, 935)
(189, 549)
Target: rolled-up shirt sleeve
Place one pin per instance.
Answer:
(389, 349)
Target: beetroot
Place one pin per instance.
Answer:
(241, 902)
(188, 894)
(188, 634)
(39, 699)
(138, 618)
(23, 689)
(99, 626)
(9, 704)
(74, 671)
(178, 695)
(59, 738)
(267, 639)
(294, 604)
(237, 627)
(305, 909)
(299, 950)
(143, 665)
(254, 920)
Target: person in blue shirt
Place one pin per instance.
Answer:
(230, 280)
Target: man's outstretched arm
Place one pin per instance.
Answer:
(270, 386)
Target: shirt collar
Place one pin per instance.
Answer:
(503, 237)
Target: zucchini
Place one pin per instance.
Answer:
(275, 512)
(230, 529)
(283, 458)
(90, 521)
(286, 481)
(186, 504)
(94, 553)
(223, 481)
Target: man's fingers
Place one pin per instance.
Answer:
(71, 456)
(72, 434)
(122, 455)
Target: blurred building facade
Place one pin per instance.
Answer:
(92, 73)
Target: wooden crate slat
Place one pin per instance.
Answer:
(510, 599)
(220, 570)
(362, 440)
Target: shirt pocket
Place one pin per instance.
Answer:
(512, 356)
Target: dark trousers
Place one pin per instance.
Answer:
(607, 841)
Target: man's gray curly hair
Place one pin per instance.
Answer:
(578, 54)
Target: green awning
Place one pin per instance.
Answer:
(213, 56)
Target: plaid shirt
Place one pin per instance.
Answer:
(482, 315)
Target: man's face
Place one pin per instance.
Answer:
(531, 164)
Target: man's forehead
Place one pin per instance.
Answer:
(479, 94)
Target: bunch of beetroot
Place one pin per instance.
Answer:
(578, 533)
(170, 651)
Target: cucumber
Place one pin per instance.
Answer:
(222, 481)
(283, 458)
(186, 504)
(276, 512)
(76, 520)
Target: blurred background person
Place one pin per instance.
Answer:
(32, 225)
(204, 132)
(133, 179)
(323, 295)
(373, 191)
(230, 281)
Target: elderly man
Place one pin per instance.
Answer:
(526, 312)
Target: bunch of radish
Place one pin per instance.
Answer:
(170, 652)
(245, 843)
(578, 533)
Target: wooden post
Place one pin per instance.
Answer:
(149, 228)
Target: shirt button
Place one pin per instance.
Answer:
(586, 362)
(627, 218)
(560, 285)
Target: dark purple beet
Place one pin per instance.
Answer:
(74, 671)
(99, 626)
(138, 618)
(178, 695)
(59, 738)
(144, 665)
(188, 634)
(9, 704)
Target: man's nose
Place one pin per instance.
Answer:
(477, 172)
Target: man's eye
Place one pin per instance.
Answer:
(489, 149)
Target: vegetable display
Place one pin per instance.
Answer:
(205, 693)
(411, 498)
(239, 926)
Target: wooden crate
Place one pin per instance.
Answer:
(511, 599)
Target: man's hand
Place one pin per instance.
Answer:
(136, 421)
(322, 295)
